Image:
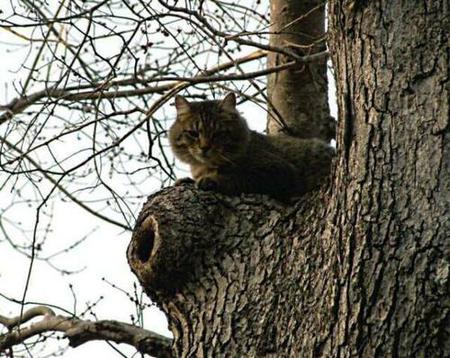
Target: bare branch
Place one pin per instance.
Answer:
(80, 331)
(241, 41)
(27, 315)
(18, 105)
(57, 184)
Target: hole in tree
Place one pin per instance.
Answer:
(145, 246)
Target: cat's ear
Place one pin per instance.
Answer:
(182, 105)
(229, 102)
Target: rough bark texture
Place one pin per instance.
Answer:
(228, 271)
(392, 191)
(299, 95)
(360, 270)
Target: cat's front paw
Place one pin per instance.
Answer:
(183, 181)
(207, 183)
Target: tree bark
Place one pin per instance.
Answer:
(229, 272)
(361, 269)
(391, 215)
(298, 97)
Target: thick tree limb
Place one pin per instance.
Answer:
(79, 332)
(222, 268)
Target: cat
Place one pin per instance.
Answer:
(226, 156)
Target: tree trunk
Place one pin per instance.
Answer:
(361, 269)
(298, 97)
(390, 207)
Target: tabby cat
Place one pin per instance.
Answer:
(226, 156)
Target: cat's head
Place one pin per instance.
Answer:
(209, 132)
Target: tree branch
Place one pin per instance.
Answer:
(224, 268)
(57, 183)
(270, 48)
(18, 105)
(79, 332)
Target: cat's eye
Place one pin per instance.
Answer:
(192, 133)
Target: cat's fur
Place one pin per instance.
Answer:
(228, 157)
